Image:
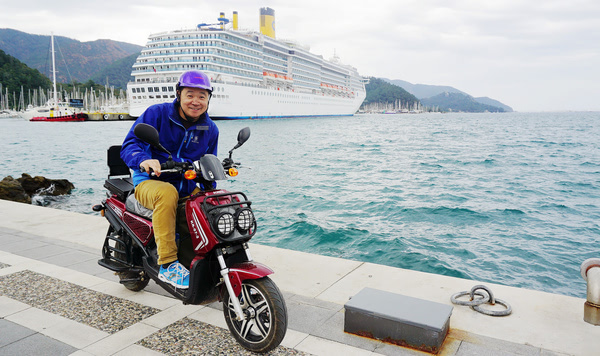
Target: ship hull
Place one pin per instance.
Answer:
(241, 102)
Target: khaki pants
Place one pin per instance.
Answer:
(162, 198)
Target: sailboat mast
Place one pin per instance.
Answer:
(54, 72)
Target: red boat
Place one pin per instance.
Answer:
(73, 117)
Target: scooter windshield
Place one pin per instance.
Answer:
(211, 168)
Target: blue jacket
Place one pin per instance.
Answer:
(185, 145)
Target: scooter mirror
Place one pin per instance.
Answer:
(149, 135)
(243, 136)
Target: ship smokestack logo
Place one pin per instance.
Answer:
(267, 21)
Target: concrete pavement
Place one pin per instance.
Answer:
(54, 252)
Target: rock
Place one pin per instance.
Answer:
(43, 186)
(11, 189)
(22, 189)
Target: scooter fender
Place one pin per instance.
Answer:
(246, 270)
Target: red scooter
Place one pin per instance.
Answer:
(214, 227)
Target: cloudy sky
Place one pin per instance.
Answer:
(533, 55)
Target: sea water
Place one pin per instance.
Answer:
(511, 198)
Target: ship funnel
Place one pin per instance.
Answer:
(235, 20)
(267, 21)
(222, 19)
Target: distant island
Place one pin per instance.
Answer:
(110, 62)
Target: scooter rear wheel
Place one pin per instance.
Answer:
(131, 280)
(266, 315)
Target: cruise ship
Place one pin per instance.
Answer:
(254, 75)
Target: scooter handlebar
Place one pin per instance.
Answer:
(170, 167)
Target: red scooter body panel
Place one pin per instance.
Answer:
(203, 239)
(140, 226)
(116, 205)
(246, 270)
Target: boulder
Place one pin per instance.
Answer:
(22, 189)
(44, 186)
(11, 189)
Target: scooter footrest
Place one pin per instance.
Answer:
(113, 265)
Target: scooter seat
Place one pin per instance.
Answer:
(134, 206)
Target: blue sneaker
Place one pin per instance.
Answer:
(176, 275)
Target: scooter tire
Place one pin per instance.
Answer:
(134, 286)
(130, 280)
(266, 315)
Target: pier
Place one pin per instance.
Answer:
(52, 294)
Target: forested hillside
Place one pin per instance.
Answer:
(458, 102)
(384, 93)
(75, 60)
(14, 74)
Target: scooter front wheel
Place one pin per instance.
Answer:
(265, 324)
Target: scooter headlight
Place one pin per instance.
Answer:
(224, 224)
(245, 219)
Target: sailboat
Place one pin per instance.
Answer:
(56, 111)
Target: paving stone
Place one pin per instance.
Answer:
(99, 310)
(192, 337)
(37, 344)
(69, 257)
(12, 332)
(39, 252)
(18, 245)
(305, 317)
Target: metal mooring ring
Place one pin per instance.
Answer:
(492, 300)
(473, 302)
(504, 312)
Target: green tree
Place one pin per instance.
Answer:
(380, 91)
(14, 74)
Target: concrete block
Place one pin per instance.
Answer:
(398, 319)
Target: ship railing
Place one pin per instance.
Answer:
(216, 43)
(206, 60)
(230, 38)
(141, 67)
(248, 74)
(209, 52)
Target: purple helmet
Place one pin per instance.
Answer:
(194, 79)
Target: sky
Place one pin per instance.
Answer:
(532, 55)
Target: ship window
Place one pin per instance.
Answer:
(149, 89)
(164, 88)
(156, 89)
(170, 88)
(143, 90)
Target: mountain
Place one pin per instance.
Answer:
(118, 73)
(487, 101)
(431, 94)
(422, 90)
(382, 92)
(75, 60)
(458, 102)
